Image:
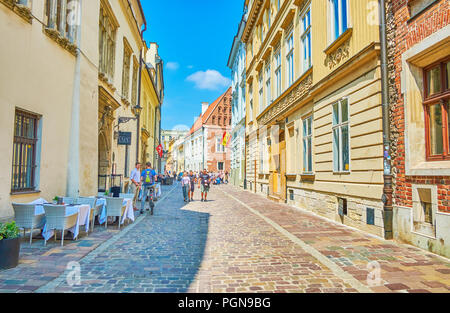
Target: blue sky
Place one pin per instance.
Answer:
(195, 38)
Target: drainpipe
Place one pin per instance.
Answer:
(139, 95)
(73, 170)
(387, 190)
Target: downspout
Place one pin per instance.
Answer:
(73, 169)
(387, 190)
(139, 97)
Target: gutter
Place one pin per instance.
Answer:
(387, 190)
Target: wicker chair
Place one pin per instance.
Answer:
(57, 219)
(25, 218)
(114, 208)
(93, 211)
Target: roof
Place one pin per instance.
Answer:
(202, 119)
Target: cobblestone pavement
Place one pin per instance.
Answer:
(236, 242)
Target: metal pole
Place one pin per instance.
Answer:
(387, 190)
(73, 171)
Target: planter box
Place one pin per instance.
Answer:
(9, 253)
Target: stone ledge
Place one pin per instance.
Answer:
(62, 41)
(23, 11)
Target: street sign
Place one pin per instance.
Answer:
(124, 139)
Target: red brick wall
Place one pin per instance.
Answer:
(407, 35)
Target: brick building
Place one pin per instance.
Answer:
(203, 148)
(419, 35)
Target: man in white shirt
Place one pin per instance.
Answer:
(135, 178)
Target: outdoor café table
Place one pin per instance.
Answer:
(83, 218)
(129, 212)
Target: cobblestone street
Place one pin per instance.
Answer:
(236, 242)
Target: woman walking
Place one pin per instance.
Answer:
(185, 184)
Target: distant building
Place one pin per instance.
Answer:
(167, 136)
(203, 146)
(236, 63)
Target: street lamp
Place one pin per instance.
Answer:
(137, 110)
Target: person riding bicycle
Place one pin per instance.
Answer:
(148, 186)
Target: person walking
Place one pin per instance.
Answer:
(185, 185)
(135, 178)
(204, 184)
(193, 180)
(148, 184)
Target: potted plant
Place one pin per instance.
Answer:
(9, 245)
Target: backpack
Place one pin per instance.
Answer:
(148, 177)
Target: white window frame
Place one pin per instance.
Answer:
(278, 73)
(290, 60)
(338, 126)
(261, 91)
(306, 39)
(307, 140)
(250, 92)
(268, 85)
(340, 23)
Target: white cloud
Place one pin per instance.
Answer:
(210, 79)
(173, 66)
(190, 66)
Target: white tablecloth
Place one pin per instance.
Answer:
(129, 212)
(83, 218)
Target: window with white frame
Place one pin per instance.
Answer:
(268, 85)
(290, 60)
(219, 147)
(58, 15)
(250, 107)
(278, 74)
(306, 40)
(261, 92)
(338, 18)
(341, 136)
(307, 145)
(107, 37)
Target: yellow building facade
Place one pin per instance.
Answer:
(120, 102)
(152, 96)
(314, 134)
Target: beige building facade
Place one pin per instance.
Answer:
(314, 134)
(38, 61)
(63, 120)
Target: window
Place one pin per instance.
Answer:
(107, 45)
(219, 147)
(268, 86)
(278, 74)
(290, 60)
(307, 145)
(58, 14)
(220, 166)
(134, 86)
(250, 94)
(126, 72)
(341, 138)
(437, 110)
(261, 92)
(338, 18)
(306, 40)
(24, 152)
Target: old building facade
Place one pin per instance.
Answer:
(120, 65)
(314, 131)
(420, 71)
(39, 99)
(86, 61)
(236, 63)
(203, 147)
(152, 97)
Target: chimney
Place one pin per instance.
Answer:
(205, 106)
